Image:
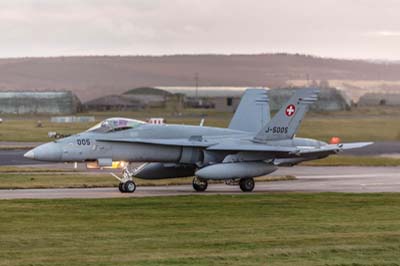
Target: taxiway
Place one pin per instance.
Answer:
(309, 179)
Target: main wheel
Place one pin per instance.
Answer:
(199, 184)
(246, 184)
(121, 187)
(129, 187)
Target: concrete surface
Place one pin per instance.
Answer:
(309, 179)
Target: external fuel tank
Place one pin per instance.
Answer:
(236, 170)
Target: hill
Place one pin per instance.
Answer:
(94, 76)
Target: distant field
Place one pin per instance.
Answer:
(367, 84)
(27, 130)
(363, 124)
(352, 129)
(356, 88)
(55, 180)
(274, 229)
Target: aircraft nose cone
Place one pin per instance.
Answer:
(47, 152)
(30, 155)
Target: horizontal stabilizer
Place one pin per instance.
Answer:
(355, 145)
(333, 148)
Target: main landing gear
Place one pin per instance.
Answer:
(245, 184)
(126, 185)
(199, 184)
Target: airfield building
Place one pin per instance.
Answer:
(329, 99)
(39, 102)
(382, 99)
(113, 103)
(223, 99)
(227, 98)
(150, 97)
(136, 99)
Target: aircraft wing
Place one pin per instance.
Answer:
(166, 142)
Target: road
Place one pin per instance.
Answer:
(309, 179)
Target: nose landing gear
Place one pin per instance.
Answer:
(126, 185)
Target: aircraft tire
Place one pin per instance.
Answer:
(129, 187)
(200, 185)
(121, 187)
(246, 184)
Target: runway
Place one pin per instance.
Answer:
(15, 157)
(309, 179)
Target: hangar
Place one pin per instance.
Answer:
(374, 99)
(137, 99)
(39, 102)
(113, 103)
(222, 99)
(227, 98)
(329, 99)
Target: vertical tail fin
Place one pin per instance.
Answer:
(286, 122)
(253, 111)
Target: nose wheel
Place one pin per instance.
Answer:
(126, 185)
(121, 187)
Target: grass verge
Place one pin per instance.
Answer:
(274, 229)
(54, 180)
(27, 169)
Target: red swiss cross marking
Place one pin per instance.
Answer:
(290, 110)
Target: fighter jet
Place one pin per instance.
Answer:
(253, 145)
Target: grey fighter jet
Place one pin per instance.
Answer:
(253, 145)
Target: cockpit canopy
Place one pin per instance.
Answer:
(115, 124)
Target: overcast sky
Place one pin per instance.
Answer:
(331, 28)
